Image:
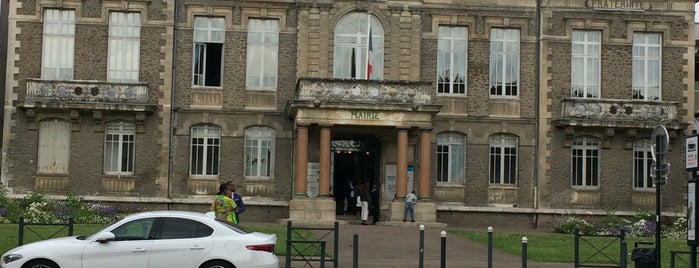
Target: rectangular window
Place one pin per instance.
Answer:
(119, 148)
(504, 62)
(209, 36)
(585, 64)
(503, 159)
(452, 53)
(58, 44)
(263, 47)
(646, 66)
(585, 162)
(450, 158)
(124, 46)
(642, 163)
(54, 147)
(205, 150)
(259, 152)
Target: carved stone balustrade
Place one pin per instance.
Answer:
(363, 91)
(613, 113)
(87, 95)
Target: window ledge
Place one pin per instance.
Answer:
(451, 184)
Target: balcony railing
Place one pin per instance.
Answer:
(86, 92)
(619, 113)
(363, 91)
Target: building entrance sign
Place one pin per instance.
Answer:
(615, 4)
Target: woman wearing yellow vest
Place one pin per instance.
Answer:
(223, 205)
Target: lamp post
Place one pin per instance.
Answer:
(659, 172)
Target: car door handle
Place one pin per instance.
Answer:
(138, 250)
(197, 247)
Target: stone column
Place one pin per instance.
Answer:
(402, 164)
(324, 180)
(425, 165)
(301, 176)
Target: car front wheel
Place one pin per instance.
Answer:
(216, 264)
(40, 264)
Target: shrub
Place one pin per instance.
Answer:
(36, 208)
(567, 224)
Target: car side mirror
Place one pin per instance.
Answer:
(104, 237)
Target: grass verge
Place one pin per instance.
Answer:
(553, 247)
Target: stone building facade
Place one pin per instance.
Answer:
(509, 111)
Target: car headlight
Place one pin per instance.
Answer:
(10, 258)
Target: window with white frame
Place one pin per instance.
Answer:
(119, 148)
(503, 159)
(585, 64)
(259, 152)
(646, 66)
(642, 163)
(124, 46)
(209, 36)
(263, 47)
(585, 157)
(205, 150)
(451, 157)
(58, 44)
(452, 53)
(54, 147)
(358, 52)
(504, 62)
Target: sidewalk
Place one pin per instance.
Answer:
(397, 245)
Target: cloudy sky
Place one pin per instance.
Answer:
(696, 17)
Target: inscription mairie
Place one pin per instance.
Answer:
(615, 4)
(364, 115)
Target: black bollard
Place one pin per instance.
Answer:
(355, 251)
(490, 247)
(443, 258)
(422, 245)
(524, 252)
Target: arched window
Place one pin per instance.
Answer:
(359, 38)
(451, 156)
(259, 152)
(585, 156)
(642, 162)
(503, 159)
(119, 147)
(205, 150)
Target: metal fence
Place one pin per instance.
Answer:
(29, 227)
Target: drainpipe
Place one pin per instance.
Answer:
(172, 100)
(4, 22)
(537, 86)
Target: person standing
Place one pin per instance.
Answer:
(375, 205)
(238, 199)
(223, 206)
(351, 199)
(366, 200)
(410, 207)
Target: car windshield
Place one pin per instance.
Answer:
(234, 227)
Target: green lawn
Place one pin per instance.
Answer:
(551, 247)
(541, 247)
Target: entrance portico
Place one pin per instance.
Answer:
(396, 111)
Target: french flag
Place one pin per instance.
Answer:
(370, 52)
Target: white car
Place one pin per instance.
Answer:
(166, 239)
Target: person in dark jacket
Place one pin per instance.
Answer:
(237, 198)
(375, 204)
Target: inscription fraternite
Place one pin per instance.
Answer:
(615, 4)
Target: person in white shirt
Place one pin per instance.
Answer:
(410, 206)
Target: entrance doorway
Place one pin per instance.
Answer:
(356, 161)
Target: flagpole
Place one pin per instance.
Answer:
(366, 69)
